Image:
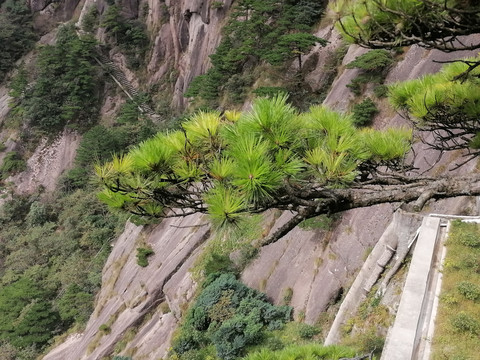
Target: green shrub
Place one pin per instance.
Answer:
(301, 351)
(229, 316)
(75, 305)
(364, 112)
(130, 35)
(16, 34)
(465, 323)
(14, 211)
(372, 61)
(38, 214)
(27, 319)
(370, 341)
(90, 20)
(323, 222)
(273, 343)
(380, 91)
(472, 240)
(470, 261)
(35, 325)
(74, 179)
(373, 65)
(306, 331)
(218, 263)
(217, 5)
(65, 86)
(237, 85)
(12, 164)
(265, 34)
(287, 295)
(142, 256)
(3, 147)
(247, 253)
(356, 84)
(470, 290)
(269, 91)
(104, 328)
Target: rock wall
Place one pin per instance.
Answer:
(185, 33)
(147, 301)
(47, 163)
(314, 265)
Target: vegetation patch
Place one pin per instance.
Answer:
(53, 252)
(16, 33)
(63, 88)
(216, 257)
(367, 329)
(129, 35)
(225, 319)
(12, 164)
(364, 112)
(374, 66)
(256, 31)
(457, 324)
(142, 256)
(323, 222)
(311, 351)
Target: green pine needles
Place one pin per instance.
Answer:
(232, 164)
(446, 104)
(451, 88)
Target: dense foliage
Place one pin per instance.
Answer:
(229, 316)
(232, 164)
(364, 112)
(65, 86)
(272, 30)
(16, 33)
(128, 34)
(52, 253)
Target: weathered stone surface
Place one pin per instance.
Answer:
(188, 31)
(4, 100)
(316, 264)
(130, 292)
(47, 163)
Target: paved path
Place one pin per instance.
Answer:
(407, 338)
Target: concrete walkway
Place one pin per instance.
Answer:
(405, 339)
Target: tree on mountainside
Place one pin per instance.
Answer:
(433, 24)
(16, 34)
(293, 45)
(446, 104)
(311, 163)
(317, 162)
(64, 87)
(258, 30)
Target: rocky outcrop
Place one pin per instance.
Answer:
(47, 163)
(185, 32)
(145, 303)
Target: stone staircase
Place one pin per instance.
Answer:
(120, 79)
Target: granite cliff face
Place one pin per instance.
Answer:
(143, 306)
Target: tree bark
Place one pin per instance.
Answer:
(339, 200)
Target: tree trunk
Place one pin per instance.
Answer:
(333, 201)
